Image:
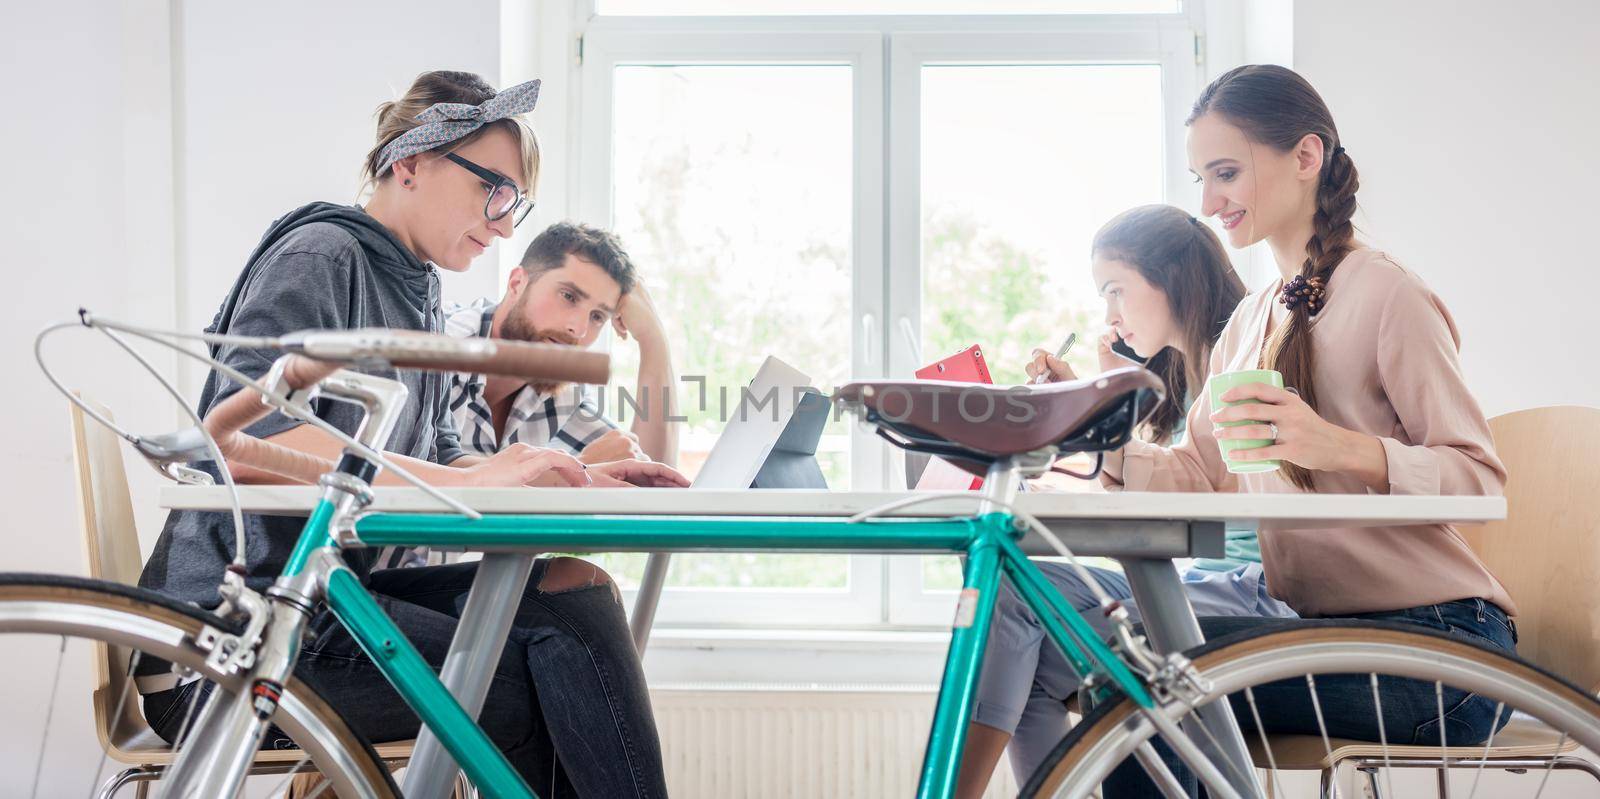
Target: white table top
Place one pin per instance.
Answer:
(1282, 511)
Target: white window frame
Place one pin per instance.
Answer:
(886, 54)
(607, 46)
(1167, 42)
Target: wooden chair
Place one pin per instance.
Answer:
(1547, 554)
(112, 542)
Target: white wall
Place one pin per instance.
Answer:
(149, 144)
(87, 221)
(1242, 32)
(276, 110)
(1473, 126)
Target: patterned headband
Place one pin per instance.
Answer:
(443, 123)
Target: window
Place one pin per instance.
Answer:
(859, 195)
(824, 7)
(1006, 227)
(704, 157)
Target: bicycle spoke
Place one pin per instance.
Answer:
(1244, 779)
(188, 716)
(1187, 751)
(1322, 724)
(322, 788)
(122, 698)
(1494, 727)
(1383, 739)
(1261, 730)
(293, 772)
(1444, 742)
(1550, 765)
(1159, 773)
(49, 714)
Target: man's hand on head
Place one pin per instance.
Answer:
(637, 316)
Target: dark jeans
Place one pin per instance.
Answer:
(567, 705)
(1410, 707)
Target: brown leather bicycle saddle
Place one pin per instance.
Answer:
(1006, 420)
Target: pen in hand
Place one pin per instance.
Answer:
(1066, 346)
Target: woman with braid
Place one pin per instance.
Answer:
(1376, 403)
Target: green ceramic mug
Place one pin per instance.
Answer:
(1220, 384)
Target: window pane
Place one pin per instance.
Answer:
(810, 7)
(732, 191)
(1021, 164)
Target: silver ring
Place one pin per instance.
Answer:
(1274, 427)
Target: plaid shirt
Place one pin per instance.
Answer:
(567, 420)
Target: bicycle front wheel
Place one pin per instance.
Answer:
(1546, 717)
(138, 624)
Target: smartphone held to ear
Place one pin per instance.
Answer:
(1121, 347)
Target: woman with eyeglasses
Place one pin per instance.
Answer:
(453, 170)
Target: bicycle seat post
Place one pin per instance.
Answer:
(1000, 485)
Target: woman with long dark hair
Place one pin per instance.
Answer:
(1169, 290)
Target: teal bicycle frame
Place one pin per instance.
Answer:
(989, 540)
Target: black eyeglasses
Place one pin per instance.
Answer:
(503, 195)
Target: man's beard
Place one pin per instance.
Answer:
(516, 329)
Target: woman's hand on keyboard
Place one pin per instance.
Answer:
(637, 473)
(520, 465)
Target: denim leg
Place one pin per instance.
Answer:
(1410, 707)
(591, 689)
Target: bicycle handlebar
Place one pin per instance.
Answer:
(317, 354)
(551, 363)
(226, 423)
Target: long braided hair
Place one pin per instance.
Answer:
(1275, 107)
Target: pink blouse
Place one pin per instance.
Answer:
(1385, 361)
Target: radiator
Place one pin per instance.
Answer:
(771, 741)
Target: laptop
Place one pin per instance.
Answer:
(757, 421)
(793, 460)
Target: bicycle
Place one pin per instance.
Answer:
(247, 646)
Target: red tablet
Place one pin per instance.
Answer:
(966, 366)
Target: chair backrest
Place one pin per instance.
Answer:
(1547, 551)
(112, 542)
(108, 528)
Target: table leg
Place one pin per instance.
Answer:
(1170, 624)
(644, 603)
(469, 665)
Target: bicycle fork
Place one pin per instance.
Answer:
(224, 739)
